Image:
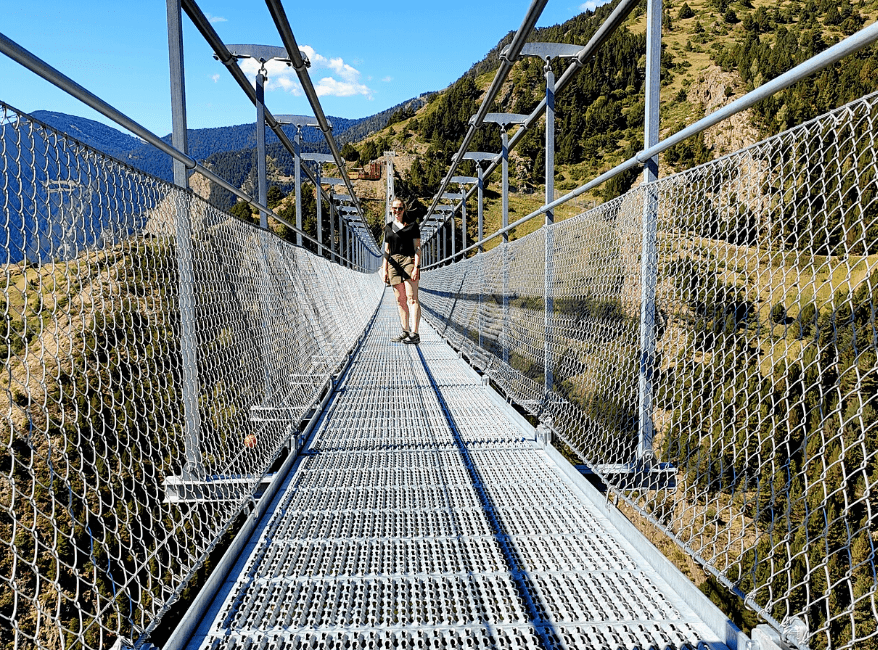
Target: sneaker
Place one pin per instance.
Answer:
(401, 337)
(413, 339)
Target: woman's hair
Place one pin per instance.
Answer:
(406, 217)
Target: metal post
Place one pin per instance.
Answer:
(388, 169)
(505, 331)
(297, 171)
(194, 467)
(179, 139)
(505, 188)
(463, 224)
(331, 231)
(481, 190)
(262, 182)
(341, 239)
(453, 236)
(319, 212)
(548, 283)
(649, 257)
(481, 276)
(340, 235)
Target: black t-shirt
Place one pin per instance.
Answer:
(402, 242)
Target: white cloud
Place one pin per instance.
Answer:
(335, 88)
(215, 78)
(387, 80)
(343, 82)
(591, 5)
(216, 19)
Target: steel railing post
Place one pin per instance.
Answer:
(388, 170)
(319, 212)
(481, 190)
(481, 276)
(649, 256)
(262, 187)
(342, 237)
(262, 181)
(463, 226)
(549, 279)
(297, 172)
(505, 245)
(331, 231)
(453, 236)
(194, 466)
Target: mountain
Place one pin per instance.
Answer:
(204, 143)
(94, 134)
(713, 52)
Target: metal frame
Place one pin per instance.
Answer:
(196, 611)
(647, 158)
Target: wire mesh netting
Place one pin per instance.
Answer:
(742, 418)
(122, 465)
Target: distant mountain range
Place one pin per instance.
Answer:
(206, 143)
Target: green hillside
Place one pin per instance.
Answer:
(714, 51)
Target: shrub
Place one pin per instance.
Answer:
(241, 209)
(778, 314)
(807, 320)
(349, 152)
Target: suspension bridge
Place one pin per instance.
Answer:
(212, 442)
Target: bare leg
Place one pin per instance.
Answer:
(414, 306)
(400, 292)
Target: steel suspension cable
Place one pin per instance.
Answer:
(202, 23)
(278, 14)
(610, 25)
(506, 63)
(39, 67)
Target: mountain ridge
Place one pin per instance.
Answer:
(207, 142)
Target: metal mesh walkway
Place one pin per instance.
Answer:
(424, 515)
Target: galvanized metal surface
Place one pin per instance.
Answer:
(423, 515)
(760, 349)
(150, 339)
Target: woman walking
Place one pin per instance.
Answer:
(401, 269)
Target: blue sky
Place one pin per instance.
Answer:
(366, 55)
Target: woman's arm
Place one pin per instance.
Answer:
(417, 272)
(384, 262)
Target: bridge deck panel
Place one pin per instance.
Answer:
(425, 516)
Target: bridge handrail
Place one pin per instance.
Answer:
(816, 63)
(760, 361)
(97, 448)
(39, 67)
(613, 21)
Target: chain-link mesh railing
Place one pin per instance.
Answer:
(121, 465)
(764, 415)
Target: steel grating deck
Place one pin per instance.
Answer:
(423, 515)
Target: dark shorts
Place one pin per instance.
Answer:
(393, 274)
